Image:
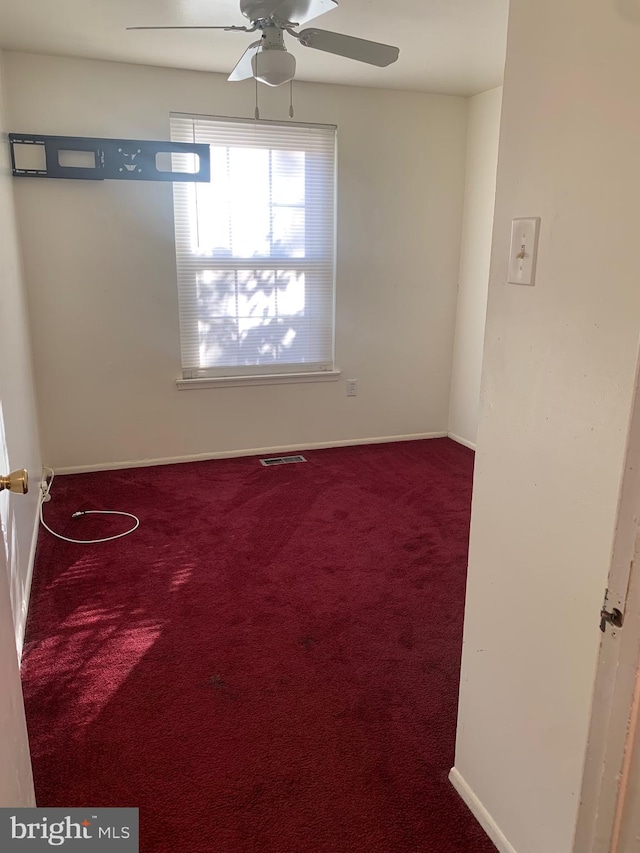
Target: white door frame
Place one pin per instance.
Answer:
(611, 733)
(625, 829)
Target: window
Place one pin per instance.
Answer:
(255, 249)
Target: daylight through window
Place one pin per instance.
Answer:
(255, 248)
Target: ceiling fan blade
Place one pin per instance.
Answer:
(244, 69)
(372, 52)
(301, 11)
(244, 29)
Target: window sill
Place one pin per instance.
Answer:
(265, 379)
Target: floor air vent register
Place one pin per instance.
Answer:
(281, 460)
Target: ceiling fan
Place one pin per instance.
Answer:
(268, 59)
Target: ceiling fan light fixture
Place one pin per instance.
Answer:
(273, 67)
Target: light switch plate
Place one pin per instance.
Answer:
(524, 251)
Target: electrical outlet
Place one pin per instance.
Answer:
(45, 484)
(352, 387)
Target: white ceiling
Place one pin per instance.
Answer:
(448, 46)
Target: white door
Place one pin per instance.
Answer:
(19, 448)
(16, 783)
(611, 777)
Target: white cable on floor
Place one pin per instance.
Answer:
(46, 488)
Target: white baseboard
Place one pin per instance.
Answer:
(24, 609)
(255, 451)
(462, 440)
(480, 813)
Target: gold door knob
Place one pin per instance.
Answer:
(16, 481)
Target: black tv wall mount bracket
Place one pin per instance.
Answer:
(90, 158)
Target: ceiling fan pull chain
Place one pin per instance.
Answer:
(291, 98)
(257, 110)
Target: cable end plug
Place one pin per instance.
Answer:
(78, 514)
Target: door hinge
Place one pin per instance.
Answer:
(613, 617)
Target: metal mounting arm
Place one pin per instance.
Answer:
(117, 159)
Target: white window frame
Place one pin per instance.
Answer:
(189, 264)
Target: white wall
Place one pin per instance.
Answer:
(479, 199)
(100, 269)
(555, 404)
(18, 448)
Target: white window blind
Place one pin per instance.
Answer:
(255, 248)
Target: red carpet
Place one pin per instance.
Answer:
(270, 663)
